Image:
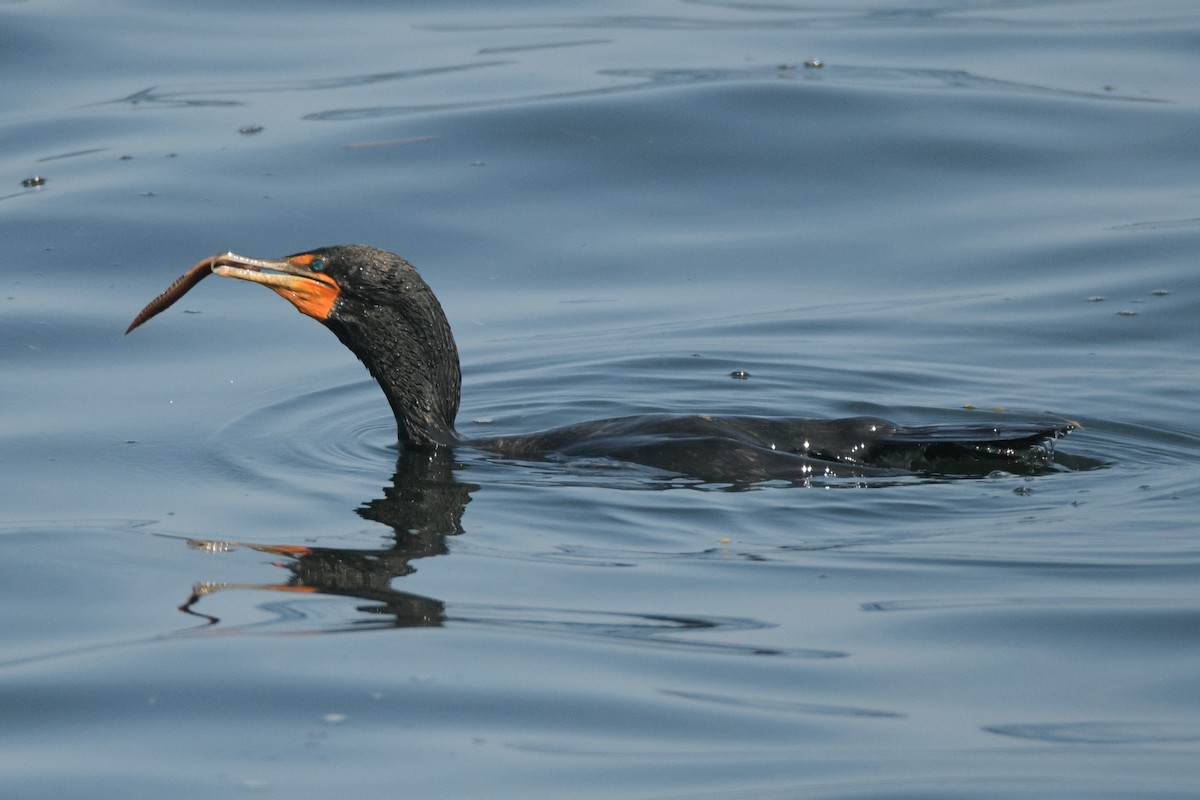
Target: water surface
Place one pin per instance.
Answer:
(964, 208)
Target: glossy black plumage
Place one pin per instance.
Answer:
(388, 317)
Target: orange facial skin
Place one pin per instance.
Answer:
(312, 293)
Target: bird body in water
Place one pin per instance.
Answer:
(380, 308)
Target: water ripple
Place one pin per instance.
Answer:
(786, 706)
(308, 615)
(203, 94)
(957, 604)
(652, 79)
(342, 428)
(1103, 732)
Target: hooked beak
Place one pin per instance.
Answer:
(312, 293)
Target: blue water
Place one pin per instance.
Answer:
(219, 577)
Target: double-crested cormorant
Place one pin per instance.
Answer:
(379, 307)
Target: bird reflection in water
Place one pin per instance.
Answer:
(423, 505)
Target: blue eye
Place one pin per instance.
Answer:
(317, 264)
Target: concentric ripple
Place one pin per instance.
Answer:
(339, 429)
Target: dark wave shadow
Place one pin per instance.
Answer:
(1114, 733)
(632, 80)
(1159, 225)
(799, 17)
(205, 95)
(525, 48)
(780, 705)
(641, 80)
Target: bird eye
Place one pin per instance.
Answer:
(317, 264)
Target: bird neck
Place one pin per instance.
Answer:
(411, 354)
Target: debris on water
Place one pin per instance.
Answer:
(814, 63)
(1095, 299)
(739, 375)
(36, 180)
(1160, 293)
(1125, 312)
(250, 130)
